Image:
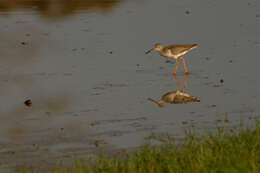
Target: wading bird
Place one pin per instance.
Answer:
(175, 52)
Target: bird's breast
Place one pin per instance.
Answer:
(167, 54)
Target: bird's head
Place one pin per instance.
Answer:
(157, 47)
(160, 103)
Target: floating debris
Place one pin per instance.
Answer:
(23, 43)
(187, 12)
(28, 102)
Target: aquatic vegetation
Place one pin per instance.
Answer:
(224, 151)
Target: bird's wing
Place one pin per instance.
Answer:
(169, 96)
(177, 49)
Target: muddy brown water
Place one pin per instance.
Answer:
(83, 66)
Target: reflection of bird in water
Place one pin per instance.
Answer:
(175, 52)
(176, 97)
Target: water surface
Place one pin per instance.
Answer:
(83, 65)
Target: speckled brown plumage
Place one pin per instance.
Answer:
(174, 51)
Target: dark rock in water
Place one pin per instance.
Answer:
(28, 102)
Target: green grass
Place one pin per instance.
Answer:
(221, 152)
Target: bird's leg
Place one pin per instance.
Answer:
(176, 67)
(184, 64)
(177, 82)
(185, 81)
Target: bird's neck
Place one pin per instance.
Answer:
(160, 103)
(160, 49)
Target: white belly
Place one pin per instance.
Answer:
(180, 54)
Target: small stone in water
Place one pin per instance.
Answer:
(28, 102)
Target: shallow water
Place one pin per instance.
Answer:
(83, 65)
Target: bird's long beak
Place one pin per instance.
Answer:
(149, 51)
(160, 103)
